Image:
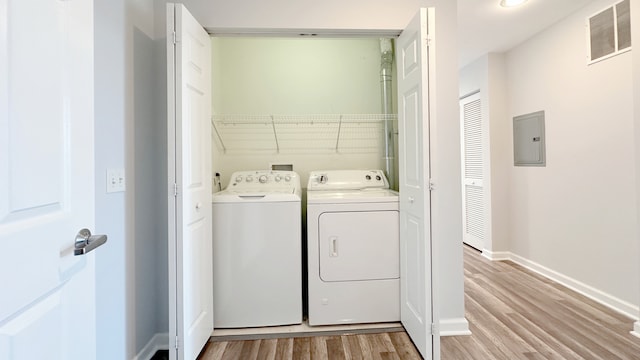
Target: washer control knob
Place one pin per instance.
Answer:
(262, 179)
(287, 178)
(278, 178)
(249, 178)
(239, 178)
(378, 177)
(368, 177)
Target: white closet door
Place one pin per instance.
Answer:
(190, 249)
(415, 62)
(472, 170)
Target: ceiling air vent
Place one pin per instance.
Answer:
(609, 32)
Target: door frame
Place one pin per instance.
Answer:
(346, 33)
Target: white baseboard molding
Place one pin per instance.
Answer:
(159, 341)
(496, 255)
(454, 327)
(608, 300)
(636, 329)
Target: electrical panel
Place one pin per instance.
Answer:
(529, 140)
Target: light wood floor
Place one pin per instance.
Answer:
(513, 314)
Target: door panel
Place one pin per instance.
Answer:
(46, 179)
(414, 298)
(359, 245)
(190, 246)
(472, 170)
(415, 219)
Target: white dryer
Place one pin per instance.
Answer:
(353, 248)
(257, 260)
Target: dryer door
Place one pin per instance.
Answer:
(360, 245)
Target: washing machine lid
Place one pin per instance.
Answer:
(253, 195)
(352, 196)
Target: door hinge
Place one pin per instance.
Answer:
(431, 185)
(434, 329)
(428, 41)
(175, 38)
(175, 190)
(176, 344)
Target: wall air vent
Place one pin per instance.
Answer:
(609, 32)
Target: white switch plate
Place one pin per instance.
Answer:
(115, 180)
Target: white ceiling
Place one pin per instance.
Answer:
(484, 26)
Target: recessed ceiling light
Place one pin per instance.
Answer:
(510, 3)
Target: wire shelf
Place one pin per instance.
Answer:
(354, 133)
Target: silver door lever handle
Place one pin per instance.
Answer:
(85, 242)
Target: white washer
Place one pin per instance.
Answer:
(257, 261)
(353, 248)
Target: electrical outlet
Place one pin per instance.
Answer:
(115, 180)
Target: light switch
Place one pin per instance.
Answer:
(115, 180)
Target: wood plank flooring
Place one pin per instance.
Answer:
(384, 346)
(513, 314)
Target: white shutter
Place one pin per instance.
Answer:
(472, 139)
(473, 163)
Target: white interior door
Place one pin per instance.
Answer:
(47, 301)
(473, 224)
(414, 62)
(189, 144)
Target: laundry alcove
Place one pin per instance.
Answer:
(313, 102)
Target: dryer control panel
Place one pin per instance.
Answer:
(264, 181)
(347, 180)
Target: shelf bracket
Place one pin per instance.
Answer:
(215, 128)
(275, 134)
(338, 136)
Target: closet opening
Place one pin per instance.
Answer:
(312, 102)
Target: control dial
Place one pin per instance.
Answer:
(287, 178)
(249, 178)
(262, 179)
(278, 178)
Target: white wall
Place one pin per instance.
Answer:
(488, 75)
(111, 267)
(635, 34)
(128, 136)
(500, 159)
(577, 216)
(446, 209)
(283, 15)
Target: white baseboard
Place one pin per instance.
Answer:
(158, 342)
(497, 255)
(636, 329)
(454, 327)
(608, 300)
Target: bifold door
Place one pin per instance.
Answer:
(414, 63)
(189, 146)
